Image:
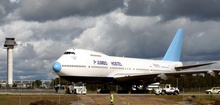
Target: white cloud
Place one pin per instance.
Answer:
(198, 35)
(14, 1)
(114, 33)
(27, 77)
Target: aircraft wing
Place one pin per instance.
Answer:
(192, 66)
(187, 72)
(153, 76)
(137, 78)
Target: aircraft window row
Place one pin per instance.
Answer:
(157, 70)
(67, 65)
(98, 67)
(128, 69)
(73, 66)
(95, 55)
(69, 53)
(116, 68)
(141, 69)
(83, 66)
(79, 66)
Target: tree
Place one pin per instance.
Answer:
(60, 81)
(194, 81)
(36, 83)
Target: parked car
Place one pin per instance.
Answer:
(214, 90)
(77, 88)
(166, 89)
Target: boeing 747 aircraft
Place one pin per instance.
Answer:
(95, 67)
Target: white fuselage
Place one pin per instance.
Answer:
(85, 63)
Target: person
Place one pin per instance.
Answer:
(64, 88)
(112, 98)
(56, 88)
(98, 90)
(191, 98)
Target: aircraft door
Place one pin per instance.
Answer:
(150, 68)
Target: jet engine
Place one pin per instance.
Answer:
(162, 76)
(211, 72)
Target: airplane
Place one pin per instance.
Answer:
(80, 65)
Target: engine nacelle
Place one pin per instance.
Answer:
(162, 76)
(211, 72)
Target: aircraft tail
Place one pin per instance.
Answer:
(174, 50)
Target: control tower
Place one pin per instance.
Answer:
(9, 44)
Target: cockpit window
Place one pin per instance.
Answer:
(69, 53)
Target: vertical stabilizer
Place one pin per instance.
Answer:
(174, 50)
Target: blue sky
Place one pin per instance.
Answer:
(44, 29)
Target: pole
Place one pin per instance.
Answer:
(59, 90)
(177, 82)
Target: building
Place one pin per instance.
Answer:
(26, 83)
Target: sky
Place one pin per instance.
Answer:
(45, 29)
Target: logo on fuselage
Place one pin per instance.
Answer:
(116, 63)
(99, 62)
(160, 66)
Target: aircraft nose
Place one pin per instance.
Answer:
(57, 67)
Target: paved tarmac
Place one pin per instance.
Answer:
(122, 100)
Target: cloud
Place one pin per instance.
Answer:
(200, 10)
(41, 10)
(199, 36)
(26, 77)
(2, 10)
(40, 44)
(14, 1)
(130, 28)
(137, 36)
(24, 51)
(120, 35)
(6, 10)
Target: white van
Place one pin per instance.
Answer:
(214, 90)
